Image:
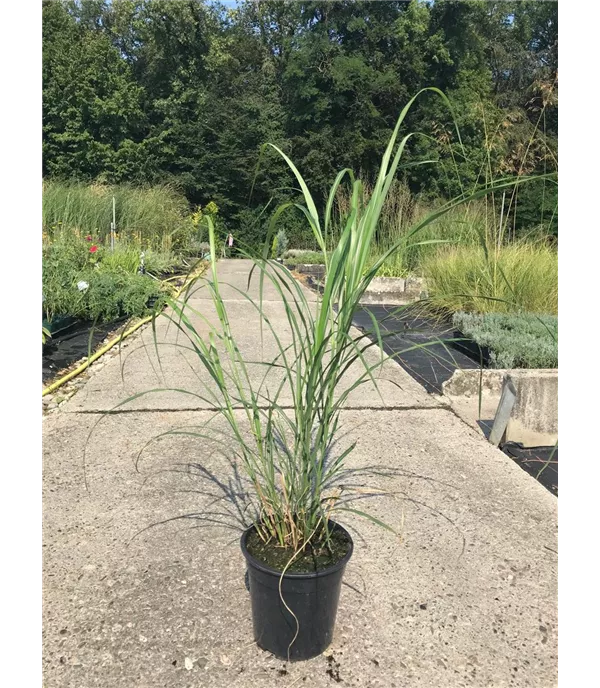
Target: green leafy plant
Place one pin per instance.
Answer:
(281, 244)
(123, 258)
(86, 280)
(129, 258)
(64, 262)
(112, 295)
(514, 340)
(45, 334)
(394, 266)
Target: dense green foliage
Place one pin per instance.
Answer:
(304, 258)
(149, 217)
(514, 341)
(185, 93)
(113, 294)
(94, 285)
(519, 277)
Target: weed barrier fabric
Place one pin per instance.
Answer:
(539, 462)
(60, 324)
(471, 348)
(417, 342)
(72, 345)
(405, 330)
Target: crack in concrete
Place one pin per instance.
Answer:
(115, 412)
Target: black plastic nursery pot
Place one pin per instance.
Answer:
(311, 597)
(59, 323)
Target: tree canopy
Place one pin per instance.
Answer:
(147, 91)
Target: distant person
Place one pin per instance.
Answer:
(230, 242)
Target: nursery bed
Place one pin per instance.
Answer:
(405, 327)
(70, 341)
(435, 364)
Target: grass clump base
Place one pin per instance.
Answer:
(514, 341)
(322, 552)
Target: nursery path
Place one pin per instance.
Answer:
(468, 598)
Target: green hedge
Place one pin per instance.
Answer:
(514, 341)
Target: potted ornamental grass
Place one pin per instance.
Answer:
(294, 545)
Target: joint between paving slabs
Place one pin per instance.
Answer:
(415, 407)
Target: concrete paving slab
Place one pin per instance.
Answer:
(139, 370)
(534, 418)
(233, 279)
(468, 598)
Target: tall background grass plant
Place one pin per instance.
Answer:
(155, 217)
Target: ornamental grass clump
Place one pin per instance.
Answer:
(283, 430)
(516, 277)
(149, 216)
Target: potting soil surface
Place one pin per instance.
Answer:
(315, 557)
(420, 344)
(73, 344)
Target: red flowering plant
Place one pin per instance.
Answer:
(94, 250)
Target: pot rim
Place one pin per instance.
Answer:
(257, 564)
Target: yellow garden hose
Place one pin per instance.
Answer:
(58, 383)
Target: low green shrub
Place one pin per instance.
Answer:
(514, 341)
(304, 258)
(112, 295)
(129, 258)
(64, 261)
(161, 262)
(394, 266)
(123, 258)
